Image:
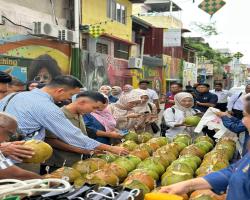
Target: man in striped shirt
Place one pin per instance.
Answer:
(36, 112)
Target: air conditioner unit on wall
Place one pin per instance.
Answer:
(67, 35)
(135, 63)
(45, 29)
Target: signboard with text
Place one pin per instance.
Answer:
(172, 38)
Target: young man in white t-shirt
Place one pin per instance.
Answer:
(153, 96)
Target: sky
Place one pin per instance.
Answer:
(232, 22)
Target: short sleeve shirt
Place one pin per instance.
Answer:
(5, 162)
(152, 95)
(205, 98)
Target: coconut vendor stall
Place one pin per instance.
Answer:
(153, 162)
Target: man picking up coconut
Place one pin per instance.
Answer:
(36, 111)
(67, 155)
(8, 126)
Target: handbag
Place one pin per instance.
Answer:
(154, 126)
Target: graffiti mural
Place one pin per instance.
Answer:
(44, 59)
(94, 70)
(101, 69)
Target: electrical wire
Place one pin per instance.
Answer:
(29, 187)
(20, 25)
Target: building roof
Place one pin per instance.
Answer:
(141, 22)
(162, 5)
(137, 1)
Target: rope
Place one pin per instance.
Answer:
(29, 187)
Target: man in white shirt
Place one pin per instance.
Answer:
(222, 96)
(236, 103)
(153, 96)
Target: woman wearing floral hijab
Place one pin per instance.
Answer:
(123, 111)
(174, 116)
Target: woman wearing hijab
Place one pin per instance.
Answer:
(123, 111)
(101, 124)
(174, 116)
(116, 91)
(148, 113)
(105, 89)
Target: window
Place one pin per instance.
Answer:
(101, 48)
(121, 50)
(85, 44)
(116, 11)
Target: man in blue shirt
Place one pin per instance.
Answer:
(204, 99)
(36, 111)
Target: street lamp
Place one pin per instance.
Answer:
(237, 70)
(203, 71)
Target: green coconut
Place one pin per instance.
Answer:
(145, 146)
(161, 160)
(107, 157)
(152, 164)
(191, 159)
(180, 167)
(204, 146)
(129, 144)
(125, 163)
(134, 159)
(135, 184)
(180, 145)
(184, 138)
(204, 138)
(144, 137)
(89, 165)
(192, 120)
(150, 172)
(165, 155)
(193, 150)
(119, 171)
(202, 197)
(131, 136)
(102, 178)
(175, 177)
(161, 141)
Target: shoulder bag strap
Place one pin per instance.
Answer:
(150, 107)
(237, 99)
(8, 101)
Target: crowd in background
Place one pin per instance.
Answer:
(78, 123)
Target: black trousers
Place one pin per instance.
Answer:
(237, 113)
(221, 106)
(209, 133)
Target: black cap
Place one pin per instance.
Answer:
(144, 81)
(4, 77)
(204, 84)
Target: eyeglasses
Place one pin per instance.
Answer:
(44, 77)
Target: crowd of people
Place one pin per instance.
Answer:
(78, 123)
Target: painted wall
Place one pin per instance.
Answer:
(95, 11)
(16, 42)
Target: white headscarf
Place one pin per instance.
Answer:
(177, 100)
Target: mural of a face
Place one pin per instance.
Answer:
(43, 76)
(94, 73)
